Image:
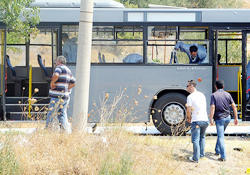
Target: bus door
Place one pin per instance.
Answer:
(16, 64)
(228, 54)
(42, 50)
(246, 75)
(232, 58)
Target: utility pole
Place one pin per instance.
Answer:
(83, 63)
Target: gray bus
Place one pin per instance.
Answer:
(136, 73)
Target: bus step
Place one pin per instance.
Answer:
(17, 100)
(25, 116)
(247, 115)
(25, 107)
(26, 113)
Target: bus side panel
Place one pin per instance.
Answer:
(230, 76)
(141, 83)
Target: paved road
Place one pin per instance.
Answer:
(231, 130)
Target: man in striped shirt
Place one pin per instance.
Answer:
(60, 87)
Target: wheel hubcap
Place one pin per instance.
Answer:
(173, 114)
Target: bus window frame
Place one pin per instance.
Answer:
(179, 29)
(53, 31)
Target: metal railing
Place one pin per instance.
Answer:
(239, 93)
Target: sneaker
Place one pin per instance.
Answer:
(222, 160)
(216, 154)
(192, 160)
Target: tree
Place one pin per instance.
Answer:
(19, 16)
(187, 3)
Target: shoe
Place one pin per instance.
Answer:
(238, 149)
(222, 160)
(192, 160)
(216, 154)
(94, 127)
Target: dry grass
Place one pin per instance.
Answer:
(246, 4)
(115, 151)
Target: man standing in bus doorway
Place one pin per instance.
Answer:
(220, 112)
(196, 53)
(60, 87)
(197, 116)
(69, 50)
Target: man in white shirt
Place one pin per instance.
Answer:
(197, 116)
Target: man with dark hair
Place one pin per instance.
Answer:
(196, 53)
(220, 112)
(197, 116)
(60, 86)
(193, 48)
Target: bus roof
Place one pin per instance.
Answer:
(75, 4)
(148, 15)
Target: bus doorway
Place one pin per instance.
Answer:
(246, 75)
(231, 63)
(228, 55)
(29, 67)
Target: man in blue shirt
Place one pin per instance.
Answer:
(196, 53)
(69, 50)
(220, 112)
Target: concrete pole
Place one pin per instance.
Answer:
(83, 63)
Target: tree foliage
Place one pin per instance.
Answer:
(19, 17)
(186, 3)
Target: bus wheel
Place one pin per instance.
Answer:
(169, 113)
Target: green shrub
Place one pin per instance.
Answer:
(122, 167)
(8, 161)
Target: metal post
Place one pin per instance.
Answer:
(30, 89)
(81, 97)
(215, 60)
(244, 75)
(4, 72)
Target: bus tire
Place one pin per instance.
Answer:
(169, 114)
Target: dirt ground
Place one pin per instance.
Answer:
(237, 161)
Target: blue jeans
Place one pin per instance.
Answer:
(58, 109)
(198, 130)
(221, 126)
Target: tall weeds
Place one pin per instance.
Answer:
(117, 167)
(9, 162)
(115, 151)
